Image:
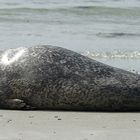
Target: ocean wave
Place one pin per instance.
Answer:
(80, 10)
(113, 54)
(24, 9)
(105, 10)
(117, 35)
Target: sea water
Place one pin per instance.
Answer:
(105, 30)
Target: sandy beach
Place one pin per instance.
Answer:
(58, 125)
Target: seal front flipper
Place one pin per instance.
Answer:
(17, 104)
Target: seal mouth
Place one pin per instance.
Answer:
(12, 55)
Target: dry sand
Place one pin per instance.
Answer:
(58, 125)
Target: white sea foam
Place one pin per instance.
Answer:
(113, 54)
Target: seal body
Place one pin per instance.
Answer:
(49, 77)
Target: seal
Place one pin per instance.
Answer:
(48, 77)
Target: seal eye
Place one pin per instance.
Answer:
(12, 55)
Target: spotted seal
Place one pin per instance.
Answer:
(48, 77)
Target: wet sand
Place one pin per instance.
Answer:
(59, 125)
